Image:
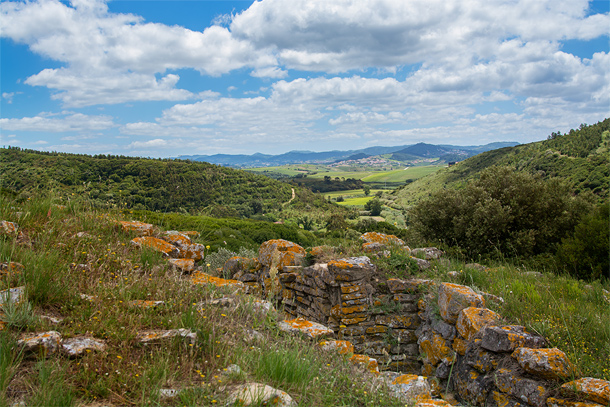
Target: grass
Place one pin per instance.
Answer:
(572, 315)
(402, 175)
(59, 266)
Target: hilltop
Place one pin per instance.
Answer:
(580, 158)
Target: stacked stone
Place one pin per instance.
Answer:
(306, 292)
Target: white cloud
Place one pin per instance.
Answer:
(64, 123)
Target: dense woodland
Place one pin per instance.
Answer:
(138, 183)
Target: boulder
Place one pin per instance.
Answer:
(548, 363)
(351, 269)
(41, 343)
(472, 319)
(193, 251)
(256, 394)
(156, 336)
(453, 298)
(428, 253)
(375, 237)
(596, 390)
(176, 238)
(184, 265)
(203, 278)
(409, 387)
(141, 228)
(281, 253)
(365, 362)
(9, 227)
(341, 347)
(511, 381)
(79, 345)
(309, 329)
(508, 338)
(15, 295)
(159, 245)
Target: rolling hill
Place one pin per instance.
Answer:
(579, 157)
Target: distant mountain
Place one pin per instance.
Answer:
(354, 157)
(580, 158)
(402, 153)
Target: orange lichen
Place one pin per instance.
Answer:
(460, 345)
(596, 390)
(145, 229)
(352, 321)
(203, 278)
(156, 244)
(183, 264)
(556, 402)
(282, 251)
(472, 319)
(549, 363)
(348, 289)
(433, 403)
(177, 239)
(436, 349)
(341, 264)
(368, 363)
(342, 347)
(378, 329)
(351, 310)
(374, 237)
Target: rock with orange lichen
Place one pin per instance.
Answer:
(397, 286)
(80, 345)
(256, 394)
(159, 245)
(436, 348)
(280, 253)
(176, 238)
(433, 403)
(453, 298)
(243, 265)
(185, 265)
(558, 402)
(307, 328)
(548, 363)
(471, 387)
(366, 362)
(203, 278)
(499, 399)
(341, 347)
(141, 228)
(10, 267)
(9, 228)
(596, 390)
(510, 380)
(14, 295)
(193, 251)
(156, 336)
(508, 338)
(408, 387)
(351, 269)
(375, 237)
(43, 343)
(472, 319)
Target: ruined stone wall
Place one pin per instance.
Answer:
(441, 331)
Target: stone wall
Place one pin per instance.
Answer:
(441, 331)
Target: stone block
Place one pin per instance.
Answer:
(281, 253)
(559, 402)
(351, 269)
(184, 265)
(480, 359)
(596, 390)
(472, 319)
(80, 345)
(398, 321)
(176, 238)
(409, 387)
(159, 245)
(453, 298)
(307, 328)
(341, 347)
(471, 386)
(44, 343)
(143, 229)
(511, 381)
(548, 363)
(436, 348)
(508, 338)
(365, 362)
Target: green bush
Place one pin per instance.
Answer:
(586, 254)
(506, 212)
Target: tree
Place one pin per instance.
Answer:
(515, 213)
(367, 190)
(374, 206)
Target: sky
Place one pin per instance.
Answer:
(169, 78)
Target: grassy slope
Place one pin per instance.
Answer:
(573, 315)
(580, 157)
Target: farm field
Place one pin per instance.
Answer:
(363, 173)
(354, 197)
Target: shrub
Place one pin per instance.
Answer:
(586, 254)
(504, 211)
(374, 206)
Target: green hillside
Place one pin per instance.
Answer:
(139, 183)
(580, 158)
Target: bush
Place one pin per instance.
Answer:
(374, 206)
(586, 254)
(504, 211)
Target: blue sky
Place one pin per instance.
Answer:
(171, 78)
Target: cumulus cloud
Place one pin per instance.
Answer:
(58, 123)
